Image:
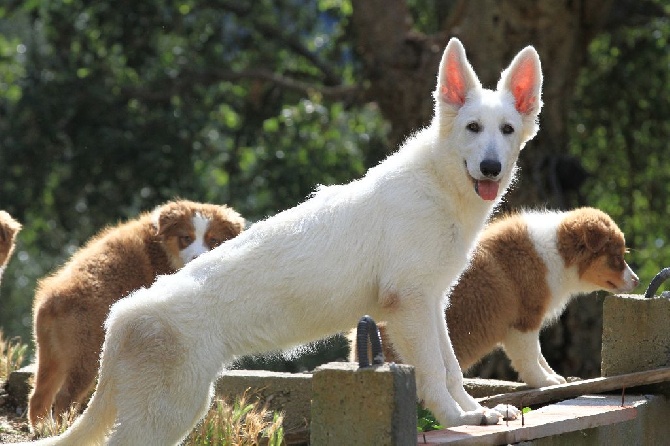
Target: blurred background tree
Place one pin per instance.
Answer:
(110, 108)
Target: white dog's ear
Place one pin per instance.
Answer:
(523, 78)
(455, 77)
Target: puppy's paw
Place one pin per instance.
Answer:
(559, 378)
(507, 412)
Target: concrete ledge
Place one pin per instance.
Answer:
(636, 336)
(287, 392)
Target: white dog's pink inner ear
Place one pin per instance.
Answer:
(453, 88)
(523, 83)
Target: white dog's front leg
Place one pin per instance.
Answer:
(416, 334)
(524, 351)
(454, 379)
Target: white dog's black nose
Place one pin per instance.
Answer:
(490, 168)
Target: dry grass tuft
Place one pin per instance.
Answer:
(49, 427)
(242, 424)
(12, 354)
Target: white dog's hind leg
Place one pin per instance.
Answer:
(524, 351)
(414, 331)
(168, 419)
(166, 387)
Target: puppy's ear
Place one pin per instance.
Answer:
(523, 78)
(9, 227)
(595, 238)
(165, 217)
(455, 77)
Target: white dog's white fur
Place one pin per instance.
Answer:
(389, 244)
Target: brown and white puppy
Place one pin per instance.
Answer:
(71, 305)
(525, 270)
(8, 230)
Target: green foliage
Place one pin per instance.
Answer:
(108, 109)
(619, 127)
(426, 420)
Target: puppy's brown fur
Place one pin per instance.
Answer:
(71, 305)
(8, 230)
(517, 283)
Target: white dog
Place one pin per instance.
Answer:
(389, 245)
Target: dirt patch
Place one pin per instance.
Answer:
(14, 428)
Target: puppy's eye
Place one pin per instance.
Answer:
(214, 242)
(474, 127)
(507, 129)
(616, 262)
(185, 240)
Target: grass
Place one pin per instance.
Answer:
(49, 427)
(12, 354)
(241, 424)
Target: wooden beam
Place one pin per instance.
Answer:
(549, 394)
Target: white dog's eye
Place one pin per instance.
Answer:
(507, 129)
(474, 127)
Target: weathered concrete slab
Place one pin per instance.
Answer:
(370, 406)
(636, 336)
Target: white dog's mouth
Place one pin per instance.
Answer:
(486, 189)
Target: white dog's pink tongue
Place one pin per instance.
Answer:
(487, 189)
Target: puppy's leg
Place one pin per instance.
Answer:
(48, 379)
(416, 333)
(547, 368)
(78, 383)
(523, 350)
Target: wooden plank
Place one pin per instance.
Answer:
(545, 395)
(581, 413)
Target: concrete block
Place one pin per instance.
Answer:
(18, 386)
(370, 406)
(287, 392)
(636, 336)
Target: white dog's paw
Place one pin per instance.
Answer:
(483, 416)
(546, 380)
(507, 412)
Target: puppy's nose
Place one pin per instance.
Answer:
(636, 280)
(490, 168)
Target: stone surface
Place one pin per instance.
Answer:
(287, 392)
(636, 336)
(18, 386)
(370, 406)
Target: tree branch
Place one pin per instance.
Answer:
(272, 32)
(186, 79)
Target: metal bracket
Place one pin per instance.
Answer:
(367, 330)
(656, 282)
